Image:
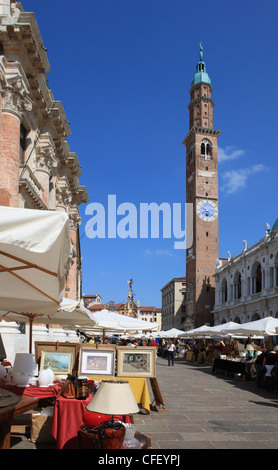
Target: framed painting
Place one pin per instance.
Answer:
(58, 362)
(136, 362)
(94, 361)
(56, 346)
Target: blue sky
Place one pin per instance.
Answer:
(123, 69)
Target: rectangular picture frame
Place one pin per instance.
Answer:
(61, 363)
(136, 362)
(56, 346)
(96, 361)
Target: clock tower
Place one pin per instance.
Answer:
(202, 192)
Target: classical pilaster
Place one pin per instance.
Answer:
(46, 164)
(15, 102)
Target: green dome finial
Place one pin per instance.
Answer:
(201, 71)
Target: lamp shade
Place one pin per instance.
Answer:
(113, 397)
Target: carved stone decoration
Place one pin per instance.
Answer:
(15, 97)
(63, 197)
(74, 219)
(45, 155)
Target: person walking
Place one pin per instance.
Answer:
(171, 353)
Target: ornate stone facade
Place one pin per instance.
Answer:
(247, 285)
(37, 168)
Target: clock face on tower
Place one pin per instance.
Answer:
(207, 210)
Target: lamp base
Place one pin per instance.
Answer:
(111, 434)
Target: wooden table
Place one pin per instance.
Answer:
(7, 414)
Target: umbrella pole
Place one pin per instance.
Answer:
(31, 334)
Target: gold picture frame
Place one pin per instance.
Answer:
(136, 362)
(61, 363)
(56, 346)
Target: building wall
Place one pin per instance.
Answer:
(37, 168)
(247, 285)
(173, 304)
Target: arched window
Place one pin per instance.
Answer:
(237, 285)
(206, 150)
(275, 283)
(255, 317)
(224, 291)
(256, 278)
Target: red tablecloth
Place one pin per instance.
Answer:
(34, 391)
(67, 420)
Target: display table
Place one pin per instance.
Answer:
(34, 391)
(233, 367)
(138, 386)
(7, 414)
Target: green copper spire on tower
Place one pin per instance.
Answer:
(201, 75)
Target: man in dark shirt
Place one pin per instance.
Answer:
(259, 365)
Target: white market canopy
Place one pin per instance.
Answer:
(70, 312)
(172, 333)
(218, 329)
(263, 327)
(113, 322)
(35, 255)
(201, 331)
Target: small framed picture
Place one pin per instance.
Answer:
(136, 362)
(58, 362)
(96, 361)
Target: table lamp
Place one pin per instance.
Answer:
(113, 397)
(23, 369)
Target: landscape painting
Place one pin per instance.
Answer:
(59, 363)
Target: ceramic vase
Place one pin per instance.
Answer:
(44, 378)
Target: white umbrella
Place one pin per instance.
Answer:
(173, 333)
(69, 314)
(105, 321)
(201, 331)
(35, 255)
(263, 327)
(218, 329)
